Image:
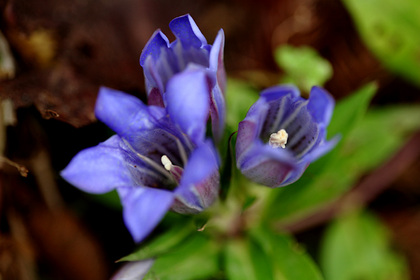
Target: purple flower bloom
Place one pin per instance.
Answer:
(162, 60)
(282, 133)
(159, 159)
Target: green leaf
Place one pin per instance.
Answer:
(162, 243)
(303, 66)
(288, 260)
(239, 98)
(390, 29)
(266, 255)
(244, 259)
(195, 258)
(379, 135)
(357, 246)
(349, 111)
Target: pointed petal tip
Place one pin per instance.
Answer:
(187, 101)
(143, 209)
(216, 58)
(154, 46)
(219, 41)
(321, 105)
(98, 169)
(279, 91)
(116, 108)
(187, 31)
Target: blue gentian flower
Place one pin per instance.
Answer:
(161, 60)
(282, 134)
(158, 160)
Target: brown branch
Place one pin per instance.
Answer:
(366, 190)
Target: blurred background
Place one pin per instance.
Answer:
(56, 54)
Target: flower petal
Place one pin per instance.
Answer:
(187, 101)
(144, 208)
(250, 128)
(199, 185)
(129, 117)
(138, 164)
(320, 105)
(122, 112)
(217, 112)
(322, 149)
(282, 102)
(277, 92)
(295, 174)
(156, 44)
(187, 31)
(155, 97)
(98, 169)
(216, 60)
(159, 64)
(266, 165)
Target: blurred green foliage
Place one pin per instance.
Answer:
(302, 66)
(239, 98)
(391, 30)
(287, 259)
(357, 246)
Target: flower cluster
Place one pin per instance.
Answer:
(161, 158)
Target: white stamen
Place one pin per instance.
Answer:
(166, 162)
(278, 139)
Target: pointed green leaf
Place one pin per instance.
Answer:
(288, 260)
(350, 110)
(195, 258)
(162, 243)
(244, 259)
